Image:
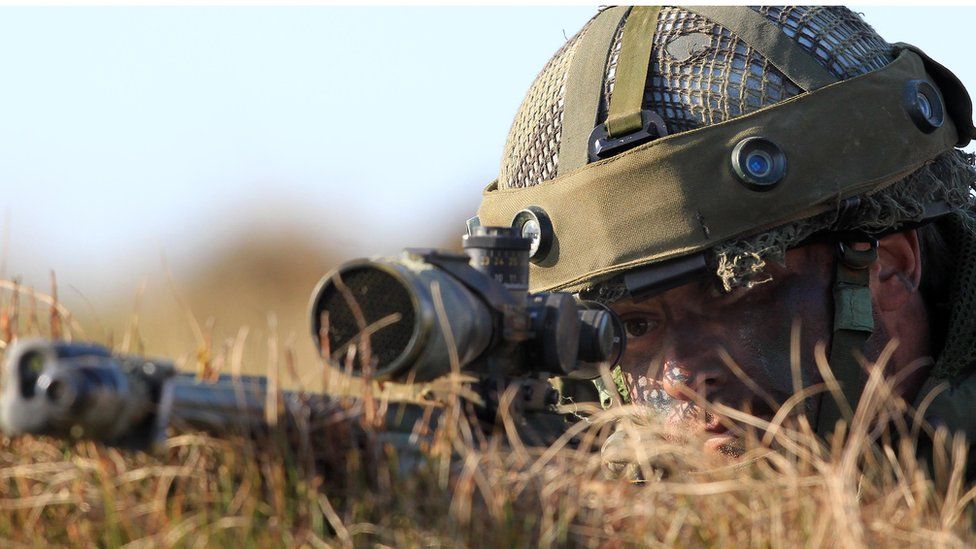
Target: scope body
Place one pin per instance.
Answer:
(427, 312)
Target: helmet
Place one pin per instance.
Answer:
(661, 143)
(713, 79)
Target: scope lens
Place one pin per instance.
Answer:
(759, 164)
(924, 105)
(365, 302)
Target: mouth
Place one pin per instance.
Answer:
(721, 441)
(709, 428)
(689, 422)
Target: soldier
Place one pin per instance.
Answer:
(720, 174)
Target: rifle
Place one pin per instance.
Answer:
(414, 318)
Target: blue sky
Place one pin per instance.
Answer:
(126, 132)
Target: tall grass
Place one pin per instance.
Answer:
(787, 489)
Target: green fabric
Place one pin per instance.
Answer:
(624, 115)
(852, 301)
(678, 195)
(944, 184)
(953, 93)
(584, 87)
(771, 42)
(853, 324)
(620, 388)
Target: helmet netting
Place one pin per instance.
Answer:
(959, 352)
(720, 78)
(531, 150)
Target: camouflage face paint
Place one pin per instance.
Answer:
(694, 332)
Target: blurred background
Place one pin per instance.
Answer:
(246, 150)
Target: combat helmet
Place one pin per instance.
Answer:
(663, 143)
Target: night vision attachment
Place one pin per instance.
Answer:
(425, 312)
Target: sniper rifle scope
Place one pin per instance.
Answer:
(420, 315)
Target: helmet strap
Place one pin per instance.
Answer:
(853, 325)
(627, 98)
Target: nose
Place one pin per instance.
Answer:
(690, 357)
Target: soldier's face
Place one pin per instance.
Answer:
(696, 342)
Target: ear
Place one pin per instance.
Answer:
(896, 274)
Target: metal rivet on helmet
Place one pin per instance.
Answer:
(758, 163)
(533, 222)
(924, 105)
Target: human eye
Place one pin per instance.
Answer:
(640, 325)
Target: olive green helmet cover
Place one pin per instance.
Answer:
(825, 88)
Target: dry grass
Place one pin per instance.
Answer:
(787, 490)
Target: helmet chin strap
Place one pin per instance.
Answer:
(853, 325)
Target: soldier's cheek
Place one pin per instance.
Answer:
(642, 359)
(759, 340)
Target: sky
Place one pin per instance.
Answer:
(127, 133)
